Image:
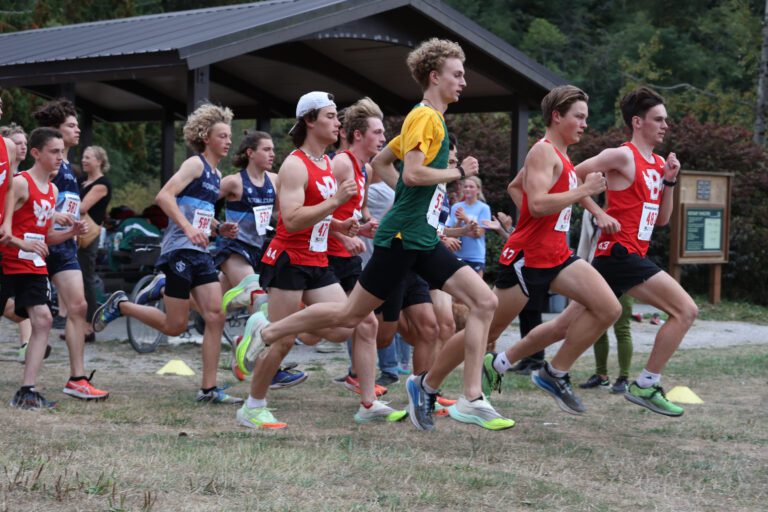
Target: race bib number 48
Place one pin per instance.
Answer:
(647, 221)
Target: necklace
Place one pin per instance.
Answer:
(313, 157)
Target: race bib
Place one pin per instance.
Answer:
(647, 221)
(435, 205)
(357, 215)
(202, 221)
(263, 215)
(32, 256)
(318, 240)
(71, 207)
(564, 220)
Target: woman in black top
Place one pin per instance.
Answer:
(95, 193)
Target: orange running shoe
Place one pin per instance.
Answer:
(445, 402)
(353, 384)
(84, 390)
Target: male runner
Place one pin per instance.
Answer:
(62, 263)
(295, 265)
(407, 240)
(25, 277)
(536, 257)
(188, 199)
(640, 197)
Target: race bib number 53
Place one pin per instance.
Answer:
(436, 205)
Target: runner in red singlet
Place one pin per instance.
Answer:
(25, 275)
(7, 162)
(640, 189)
(537, 259)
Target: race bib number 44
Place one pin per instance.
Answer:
(647, 221)
(263, 215)
(202, 220)
(436, 205)
(318, 240)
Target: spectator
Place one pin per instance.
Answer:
(19, 137)
(95, 193)
(472, 209)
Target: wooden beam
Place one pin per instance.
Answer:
(519, 146)
(167, 146)
(198, 87)
(302, 55)
(164, 101)
(268, 104)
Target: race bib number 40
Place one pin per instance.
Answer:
(318, 240)
(202, 221)
(436, 205)
(263, 215)
(647, 221)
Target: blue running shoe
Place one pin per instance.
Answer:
(560, 388)
(108, 311)
(420, 403)
(153, 291)
(286, 377)
(217, 396)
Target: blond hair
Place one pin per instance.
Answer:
(356, 117)
(100, 154)
(479, 183)
(12, 129)
(430, 56)
(200, 123)
(560, 100)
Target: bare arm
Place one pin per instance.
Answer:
(515, 189)
(384, 168)
(293, 181)
(607, 161)
(231, 187)
(540, 166)
(92, 197)
(671, 169)
(5, 228)
(191, 169)
(416, 174)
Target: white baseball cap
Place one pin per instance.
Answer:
(314, 100)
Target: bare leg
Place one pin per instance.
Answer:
(419, 328)
(41, 320)
(69, 284)
(208, 299)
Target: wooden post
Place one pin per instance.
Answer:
(715, 283)
(168, 146)
(676, 272)
(519, 139)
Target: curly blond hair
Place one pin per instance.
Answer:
(430, 56)
(200, 123)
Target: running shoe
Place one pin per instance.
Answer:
(30, 400)
(403, 370)
(352, 383)
(287, 377)
(153, 291)
(560, 388)
(595, 381)
(379, 411)
(258, 417)
(652, 398)
(387, 379)
(491, 378)
(620, 386)
(23, 353)
(243, 294)
(420, 403)
(251, 346)
(233, 362)
(480, 412)
(217, 396)
(84, 390)
(527, 365)
(108, 311)
(328, 347)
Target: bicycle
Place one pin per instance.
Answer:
(145, 339)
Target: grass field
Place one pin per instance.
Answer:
(149, 447)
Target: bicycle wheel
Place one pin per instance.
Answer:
(143, 338)
(234, 325)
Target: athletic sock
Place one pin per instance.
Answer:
(647, 379)
(555, 372)
(207, 390)
(476, 399)
(426, 387)
(81, 377)
(253, 403)
(501, 362)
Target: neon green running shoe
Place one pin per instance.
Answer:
(379, 411)
(652, 398)
(241, 295)
(491, 380)
(251, 346)
(258, 417)
(479, 412)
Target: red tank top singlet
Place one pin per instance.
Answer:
(306, 247)
(351, 208)
(30, 222)
(636, 207)
(5, 176)
(543, 239)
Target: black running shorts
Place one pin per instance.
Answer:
(623, 271)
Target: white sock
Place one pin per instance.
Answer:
(426, 387)
(647, 379)
(555, 372)
(501, 363)
(253, 403)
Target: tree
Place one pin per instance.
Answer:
(761, 109)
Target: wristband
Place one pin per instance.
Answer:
(461, 170)
(669, 183)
